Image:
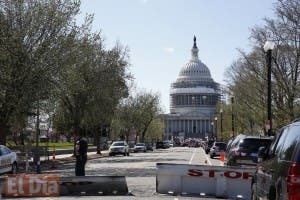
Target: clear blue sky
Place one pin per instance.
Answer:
(159, 34)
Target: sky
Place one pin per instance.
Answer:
(159, 34)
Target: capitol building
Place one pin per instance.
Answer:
(193, 99)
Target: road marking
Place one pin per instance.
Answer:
(207, 158)
(194, 152)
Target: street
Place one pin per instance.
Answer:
(140, 168)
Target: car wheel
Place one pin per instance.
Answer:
(253, 192)
(14, 168)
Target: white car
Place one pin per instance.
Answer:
(140, 147)
(119, 147)
(8, 160)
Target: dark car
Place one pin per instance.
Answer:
(278, 175)
(208, 145)
(159, 145)
(166, 144)
(216, 149)
(162, 145)
(232, 142)
(244, 152)
(149, 146)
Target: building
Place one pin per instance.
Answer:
(193, 99)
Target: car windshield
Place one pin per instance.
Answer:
(221, 145)
(118, 144)
(140, 144)
(254, 144)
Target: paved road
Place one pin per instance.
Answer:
(140, 168)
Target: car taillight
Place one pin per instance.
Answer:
(293, 181)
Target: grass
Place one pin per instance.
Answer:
(52, 145)
(60, 145)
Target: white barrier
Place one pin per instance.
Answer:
(220, 181)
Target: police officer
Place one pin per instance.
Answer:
(81, 147)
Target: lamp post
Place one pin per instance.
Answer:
(37, 151)
(221, 115)
(232, 116)
(268, 47)
(216, 128)
(212, 129)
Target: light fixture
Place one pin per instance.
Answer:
(269, 45)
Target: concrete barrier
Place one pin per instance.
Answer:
(219, 181)
(93, 186)
(49, 185)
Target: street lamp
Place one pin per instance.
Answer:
(268, 47)
(232, 116)
(216, 127)
(212, 129)
(221, 115)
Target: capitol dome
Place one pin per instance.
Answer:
(194, 70)
(193, 99)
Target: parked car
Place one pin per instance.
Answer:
(278, 175)
(159, 145)
(216, 149)
(119, 147)
(208, 145)
(8, 160)
(184, 143)
(140, 147)
(149, 146)
(166, 144)
(162, 145)
(232, 142)
(244, 151)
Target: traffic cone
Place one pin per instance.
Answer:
(222, 156)
(53, 160)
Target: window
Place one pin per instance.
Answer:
(290, 143)
(275, 141)
(4, 151)
(281, 141)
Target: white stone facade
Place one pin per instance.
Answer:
(193, 99)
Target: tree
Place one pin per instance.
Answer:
(136, 113)
(92, 81)
(30, 34)
(250, 70)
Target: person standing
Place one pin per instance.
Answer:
(81, 147)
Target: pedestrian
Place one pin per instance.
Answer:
(81, 147)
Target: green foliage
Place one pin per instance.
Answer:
(136, 114)
(247, 77)
(47, 61)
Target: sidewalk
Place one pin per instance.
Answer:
(58, 162)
